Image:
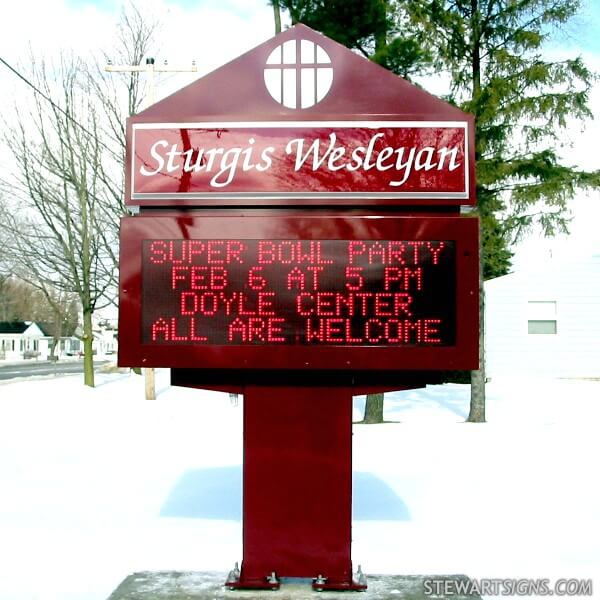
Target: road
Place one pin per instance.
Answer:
(30, 368)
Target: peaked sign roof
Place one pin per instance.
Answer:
(360, 88)
(310, 122)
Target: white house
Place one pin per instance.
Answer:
(545, 321)
(23, 339)
(106, 338)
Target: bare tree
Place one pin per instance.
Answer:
(4, 268)
(59, 315)
(4, 244)
(118, 96)
(18, 300)
(121, 95)
(68, 162)
(58, 239)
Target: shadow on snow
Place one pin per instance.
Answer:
(217, 494)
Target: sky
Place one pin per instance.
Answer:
(213, 32)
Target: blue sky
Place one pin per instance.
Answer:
(582, 32)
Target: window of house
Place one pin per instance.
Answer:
(541, 317)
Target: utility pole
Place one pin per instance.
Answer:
(150, 68)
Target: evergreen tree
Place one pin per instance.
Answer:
(491, 53)
(357, 24)
(523, 102)
(372, 27)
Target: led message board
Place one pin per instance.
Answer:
(278, 292)
(344, 292)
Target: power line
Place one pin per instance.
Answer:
(56, 106)
(150, 69)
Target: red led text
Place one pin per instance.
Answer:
(313, 292)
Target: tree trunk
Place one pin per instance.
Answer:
(58, 331)
(476, 49)
(88, 356)
(374, 404)
(277, 16)
(477, 408)
(373, 409)
(381, 37)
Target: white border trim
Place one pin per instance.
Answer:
(463, 195)
(298, 124)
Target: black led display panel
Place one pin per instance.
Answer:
(236, 292)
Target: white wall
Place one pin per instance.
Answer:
(13, 346)
(574, 351)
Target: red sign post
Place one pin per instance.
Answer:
(299, 240)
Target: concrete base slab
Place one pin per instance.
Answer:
(177, 585)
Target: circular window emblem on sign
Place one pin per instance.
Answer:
(298, 74)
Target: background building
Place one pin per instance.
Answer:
(545, 321)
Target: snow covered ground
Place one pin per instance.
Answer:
(98, 483)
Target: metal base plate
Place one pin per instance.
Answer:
(176, 585)
(252, 584)
(338, 587)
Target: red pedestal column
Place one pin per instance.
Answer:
(297, 484)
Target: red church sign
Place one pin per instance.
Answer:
(299, 239)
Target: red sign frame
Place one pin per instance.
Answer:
(303, 162)
(462, 230)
